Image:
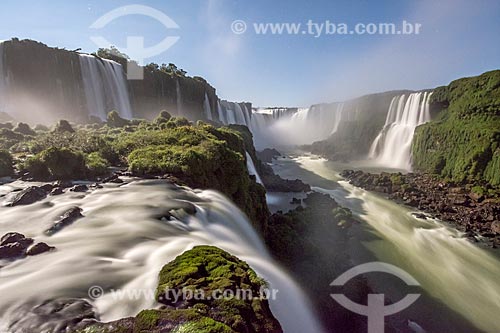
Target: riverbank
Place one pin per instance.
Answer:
(473, 209)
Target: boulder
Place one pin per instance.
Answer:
(79, 188)
(12, 251)
(70, 216)
(39, 248)
(27, 196)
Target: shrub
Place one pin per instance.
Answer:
(6, 168)
(96, 165)
(57, 163)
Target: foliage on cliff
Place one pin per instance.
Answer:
(463, 143)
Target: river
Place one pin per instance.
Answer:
(460, 285)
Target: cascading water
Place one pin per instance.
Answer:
(3, 80)
(252, 170)
(392, 147)
(105, 87)
(220, 112)
(307, 125)
(206, 108)
(121, 243)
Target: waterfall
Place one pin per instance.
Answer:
(178, 95)
(306, 125)
(3, 80)
(392, 146)
(105, 87)
(206, 108)
(220, 112)
(121, 243)
(252, 170)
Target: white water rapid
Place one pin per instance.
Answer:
(121, 243)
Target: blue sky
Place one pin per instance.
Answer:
(458, 38)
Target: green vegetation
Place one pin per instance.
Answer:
(200, 156)
(463, 143)
(208, 269)
(6, 162)
(56, 163)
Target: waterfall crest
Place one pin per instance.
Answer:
(121, 243)
(105, 87)
(392, 146)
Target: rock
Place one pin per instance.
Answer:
(39, 248)
(70, 216)
(63, 183)
(296, 201)
(116, 181)
(267, 155)
(109, 179)
(79, 188)
(495, 227)
(54, 316)
(13, 237)
(27, 196)
(12, 251)
(56, 191)
(420, 216)
(47, 187)
(476, 196)
(210, 269)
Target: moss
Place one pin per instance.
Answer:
(6, 163)
(96, 165)
(215, 268)
(463, 143)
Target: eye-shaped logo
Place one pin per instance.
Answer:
(376, 310)
(135, 44)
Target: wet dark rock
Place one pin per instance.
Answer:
(116, 181)
(63, 183)
(268, 154)
(28, 196)
(420, 216)
(12, 251)
(39, 248)
(296, 201)
(79, 188)
(54, 316)
(109, 179)
(57, 191)
(15, 237)
(69, 217)
(47, 187)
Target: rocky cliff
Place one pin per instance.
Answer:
(463, 142)
(41, 84)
